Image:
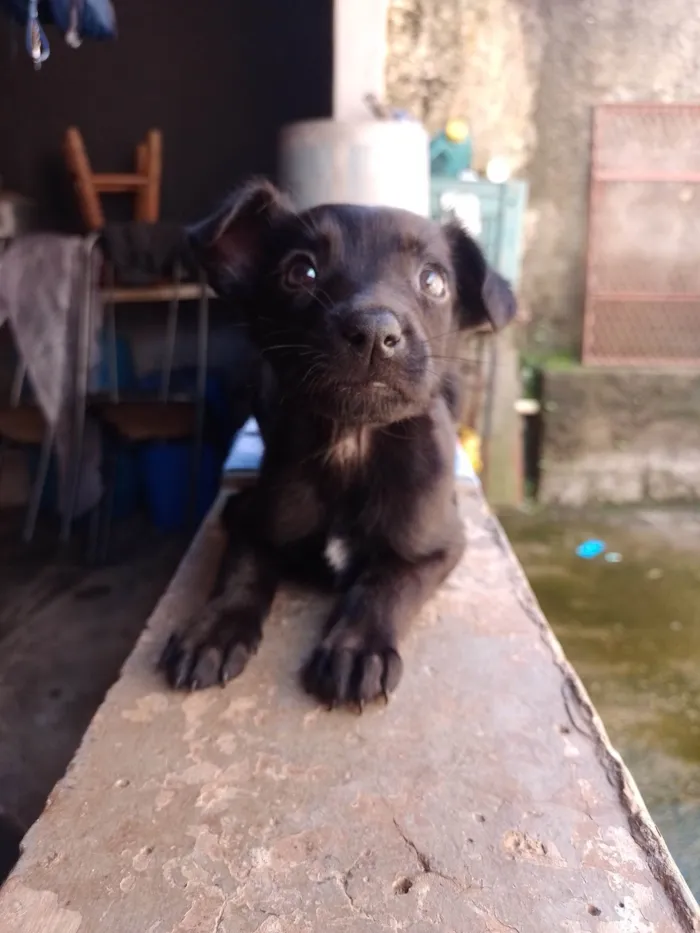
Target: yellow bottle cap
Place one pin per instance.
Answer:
(456, 130)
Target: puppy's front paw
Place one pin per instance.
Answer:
(353, 664)
(211, 649)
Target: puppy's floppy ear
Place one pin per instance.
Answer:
(230, 243)
(483, 296)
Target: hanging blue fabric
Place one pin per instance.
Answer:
(77, 20)
(92, 19)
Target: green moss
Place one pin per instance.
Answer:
(549, 361)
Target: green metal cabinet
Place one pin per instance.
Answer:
(502, 219)
(501, 215)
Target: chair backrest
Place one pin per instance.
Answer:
(111, 341)
(144, 183)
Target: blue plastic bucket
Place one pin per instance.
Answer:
(166, 466)
(167, 474)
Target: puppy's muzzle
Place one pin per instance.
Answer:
(374, 334)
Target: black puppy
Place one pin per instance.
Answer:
(356, 313)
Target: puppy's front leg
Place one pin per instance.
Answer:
(358, 658)
(215, 646)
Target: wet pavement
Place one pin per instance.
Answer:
(632, 631)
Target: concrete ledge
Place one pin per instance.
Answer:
(485, 797)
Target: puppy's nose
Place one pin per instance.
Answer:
(374, 332)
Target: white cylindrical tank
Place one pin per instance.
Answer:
(373, 162)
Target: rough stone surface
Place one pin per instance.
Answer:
(484, 797)
(620, 436)
(526, 74)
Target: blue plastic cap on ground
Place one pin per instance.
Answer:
(590, 549)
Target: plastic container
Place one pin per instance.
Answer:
(166, 468)
(373, 162)
(451, 151)
(102, 376)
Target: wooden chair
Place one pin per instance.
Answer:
(129, 420)
(144, 183)
(134, 420)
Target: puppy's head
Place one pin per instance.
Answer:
(357, 309)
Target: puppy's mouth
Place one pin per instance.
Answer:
(369, 388)
(347, 388)
(368, 402)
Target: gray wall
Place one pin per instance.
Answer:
(526, 74)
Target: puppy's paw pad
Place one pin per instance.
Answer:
(208, 652)
(352, 671)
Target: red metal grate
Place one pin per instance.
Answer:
(643, 271)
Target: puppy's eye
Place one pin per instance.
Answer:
(300, 273)
(432, 282)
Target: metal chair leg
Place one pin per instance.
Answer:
(112, 454)
(38, 487)
(73, 482)
(94, 533)
(170, 339)
(3, 451)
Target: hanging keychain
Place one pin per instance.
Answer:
(37, 43)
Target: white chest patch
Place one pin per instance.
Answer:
(349, 451)
(337, 554)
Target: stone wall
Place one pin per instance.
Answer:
(620, 437)
(526, 74)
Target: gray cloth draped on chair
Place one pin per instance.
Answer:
(45, 281)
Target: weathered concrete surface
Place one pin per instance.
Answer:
(526, 74)
(620, 436)
(485, 797)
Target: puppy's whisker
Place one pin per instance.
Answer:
(324, 294)
(307, 226)
(286, 346)
(448, 333)
(392, 434)
(311, 372)
(275, 332)
(474, 335)
(454, 359)
(311, 376)
(323, 298)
